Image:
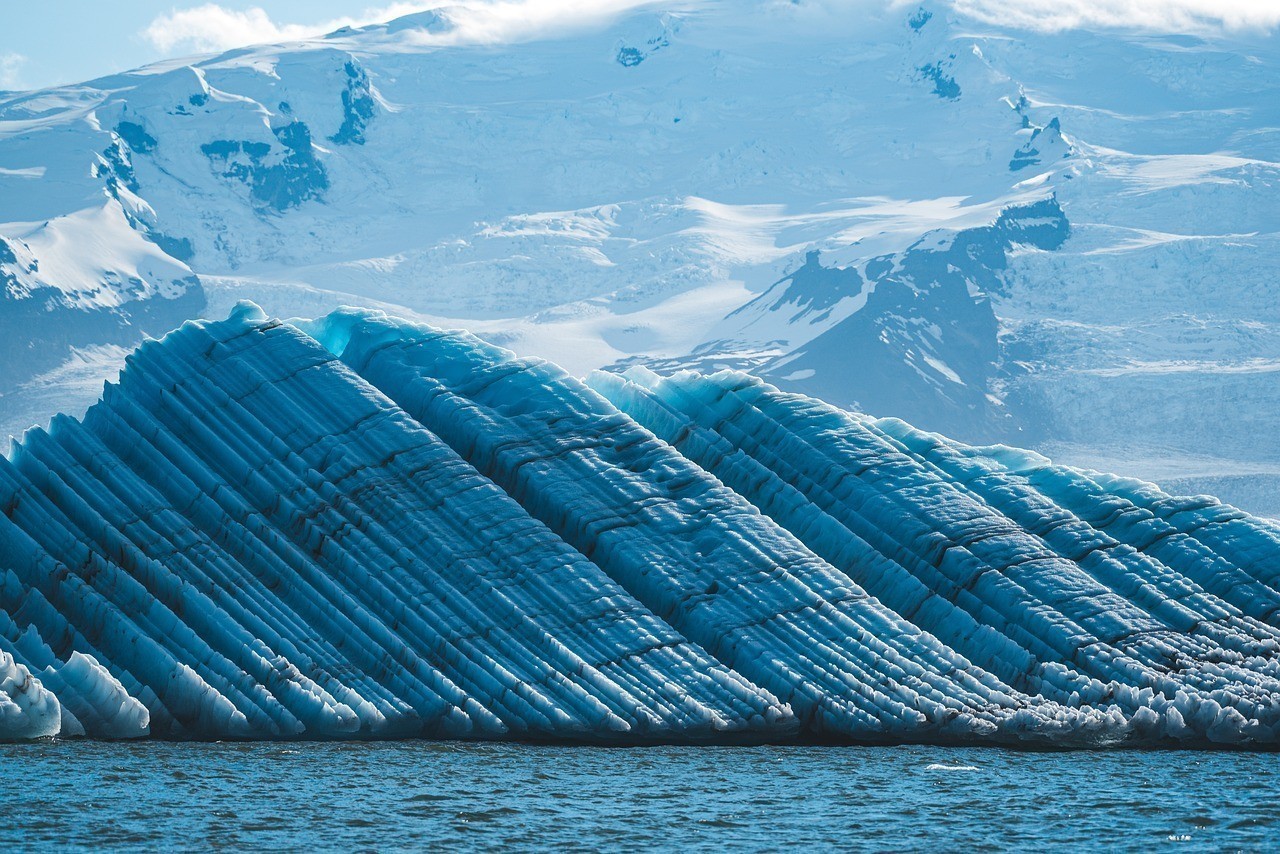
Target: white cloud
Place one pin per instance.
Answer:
(211, 27)
(500, 21)
(11, 70)
(1157, 15)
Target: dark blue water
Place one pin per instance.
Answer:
(416, 794)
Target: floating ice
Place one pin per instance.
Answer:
(362, 527)
(27, 708)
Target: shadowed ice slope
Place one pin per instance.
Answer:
(1165, 609)
(256, 543)
(360, 526)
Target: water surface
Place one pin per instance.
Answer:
(412, 794)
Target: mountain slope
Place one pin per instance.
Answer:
(1068, 240)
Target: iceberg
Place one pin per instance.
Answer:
(362, 527)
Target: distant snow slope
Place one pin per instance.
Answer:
(1067, 240)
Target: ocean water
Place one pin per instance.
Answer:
(343, 796)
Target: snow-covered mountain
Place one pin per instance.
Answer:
(1065, 240)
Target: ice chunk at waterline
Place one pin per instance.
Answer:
(358, 526)
(27, 708)
(87, 693)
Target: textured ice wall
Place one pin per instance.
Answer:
(695, 552)
(255, 543)
(361, 527)
(1082, 588)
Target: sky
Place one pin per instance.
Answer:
(51, 42)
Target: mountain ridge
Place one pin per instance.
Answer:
(620, 194)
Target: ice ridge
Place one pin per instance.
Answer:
(363, 527)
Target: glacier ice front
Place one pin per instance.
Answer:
(362, 527)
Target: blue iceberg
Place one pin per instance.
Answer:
(361, 527)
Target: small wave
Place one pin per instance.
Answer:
(940, 766)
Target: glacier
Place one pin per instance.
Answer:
(361, 526)
(1019, 229)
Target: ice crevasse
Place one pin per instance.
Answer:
(360, 527)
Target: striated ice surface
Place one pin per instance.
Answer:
(1079, 587)
(363, 527)
(257, 543)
